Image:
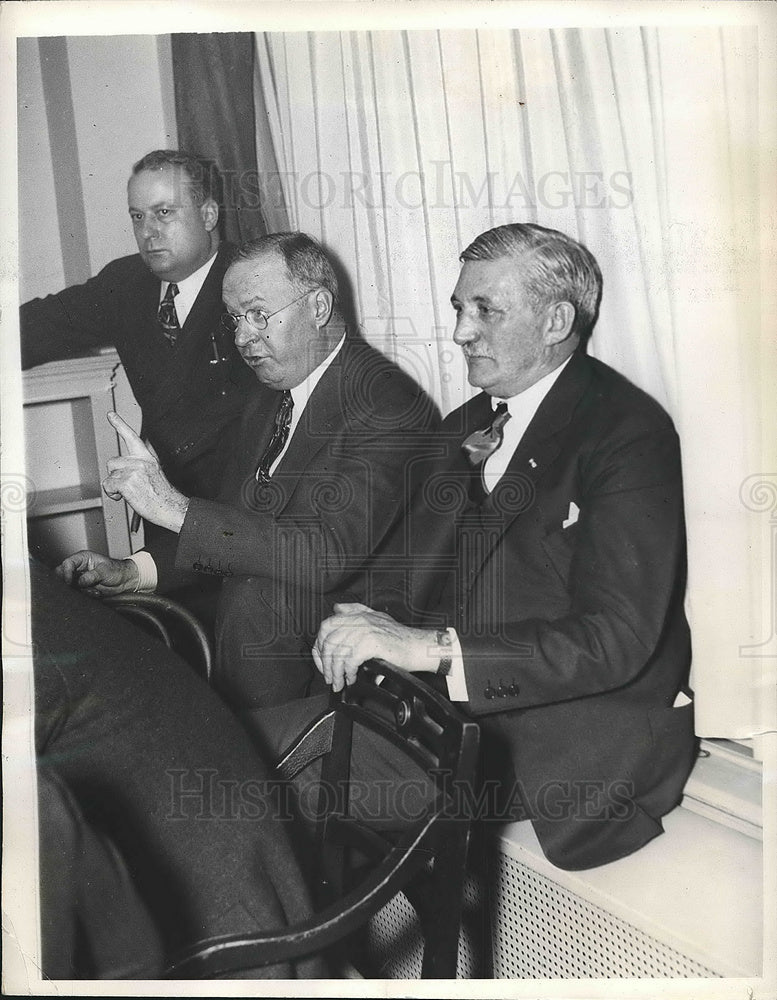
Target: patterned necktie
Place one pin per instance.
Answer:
(480, 444)
(168, 317)
(279, 437)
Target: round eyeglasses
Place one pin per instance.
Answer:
(256, 318)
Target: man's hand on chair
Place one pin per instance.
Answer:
(98, 575)
(356, 633)
(137, 477)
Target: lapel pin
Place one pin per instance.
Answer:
(532, 463)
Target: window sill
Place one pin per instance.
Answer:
(725, 786)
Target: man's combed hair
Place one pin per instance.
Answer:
(554, 267)
(203, 174)
(306, 262)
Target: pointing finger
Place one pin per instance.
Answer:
(134, 444)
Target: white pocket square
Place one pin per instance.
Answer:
(572, 516)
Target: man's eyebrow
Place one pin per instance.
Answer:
(153, 208)
(477, 299)
(253, 301)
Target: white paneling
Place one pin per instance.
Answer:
(120, 114)
(698, 888)
(40, 253)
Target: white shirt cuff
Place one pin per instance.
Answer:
(456, 679)
(148, 578)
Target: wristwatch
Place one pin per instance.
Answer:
(444, 643)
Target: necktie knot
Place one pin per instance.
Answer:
(168, 317)
(482, 443)
(279, 437)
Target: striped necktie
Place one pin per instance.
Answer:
(168, 317)
(279, 437)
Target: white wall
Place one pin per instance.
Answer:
(123, 103)
(40, 254)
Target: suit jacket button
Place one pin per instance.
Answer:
(502, 691)
(513, 690)
(489, 692)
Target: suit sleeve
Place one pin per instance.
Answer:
(317, 538)
(617, 578)
(70, 323)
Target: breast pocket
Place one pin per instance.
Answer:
(560, 546)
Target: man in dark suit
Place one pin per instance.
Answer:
(316, 480)
(161, 310)
(542, 566)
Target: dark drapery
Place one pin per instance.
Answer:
(214, 106)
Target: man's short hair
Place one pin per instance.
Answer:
(306, 262)
(554, 267)
(203, 174)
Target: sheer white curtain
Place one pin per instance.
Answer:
(396, 148)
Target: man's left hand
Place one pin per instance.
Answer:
(356, 633)
(137, 478)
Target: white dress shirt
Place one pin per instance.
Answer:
(300, 394)
(188, 290)
(522, 409)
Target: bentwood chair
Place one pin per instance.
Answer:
(426, 861)
(170, 622)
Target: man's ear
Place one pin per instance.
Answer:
(209, 211)
(560, 320)
(323, 303)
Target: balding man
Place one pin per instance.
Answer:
(325, 451)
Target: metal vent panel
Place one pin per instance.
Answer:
(394, 941)
(540, 931)
(544, 931)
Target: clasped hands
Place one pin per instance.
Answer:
(137, 477)
(356, 633)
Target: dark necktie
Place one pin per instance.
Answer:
(279, 437)
(480, 444)
(168, 317)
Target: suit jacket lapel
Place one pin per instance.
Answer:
(319, 423)
(258, 425)
(539, 446)
(195, 327)
(148, 291)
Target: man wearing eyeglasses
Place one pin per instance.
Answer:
(319, 473)
(160, 308)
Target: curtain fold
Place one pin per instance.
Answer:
(214, 104)
(397, 148)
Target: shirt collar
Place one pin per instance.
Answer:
(531, 398)
(189, 288)
(301, 393)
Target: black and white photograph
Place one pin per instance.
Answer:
(436, 639)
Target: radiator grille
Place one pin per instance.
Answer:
(543, 931)
(540, 931)
(394, 941)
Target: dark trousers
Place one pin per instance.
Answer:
(157, 764)
(386, 787)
